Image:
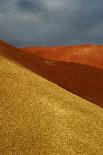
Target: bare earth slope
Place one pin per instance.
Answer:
(78, 69)
(39, 118)
(91, 55)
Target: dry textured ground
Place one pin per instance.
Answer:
(78, 69)
(90, 55)
(39, 118)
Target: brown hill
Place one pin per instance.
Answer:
(39, 118)
(78, 69)
(91, 55)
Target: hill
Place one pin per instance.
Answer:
(91, 55)
(38, 117)
(78, 69)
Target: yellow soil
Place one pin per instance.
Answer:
(39, 118)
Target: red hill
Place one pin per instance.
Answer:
(78, 69)
(91, 55)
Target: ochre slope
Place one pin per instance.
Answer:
(78, 69)
(91, 55)
(40, 118)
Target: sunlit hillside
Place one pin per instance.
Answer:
(88, 54)
(38, 117)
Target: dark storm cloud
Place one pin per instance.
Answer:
(26, 6)
(51, 22)
(29, 6)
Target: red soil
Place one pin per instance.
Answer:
(91, 55)
(83, 80)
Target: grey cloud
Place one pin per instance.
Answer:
(29, 6)
(46, 22)
(35, 7)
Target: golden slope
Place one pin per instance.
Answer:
(40, 118)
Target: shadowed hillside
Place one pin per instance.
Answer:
(38, 117)
(76, 69)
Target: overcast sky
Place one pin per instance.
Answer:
(51, 22)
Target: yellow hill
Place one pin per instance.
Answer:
(39, 118)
